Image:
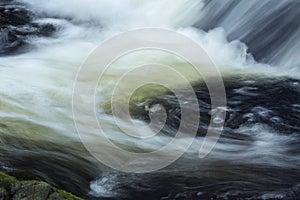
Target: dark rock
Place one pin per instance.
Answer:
(14, 15)
(243, 97)
(46, 30)
(16, 25)
(3, 194)
(10, 41)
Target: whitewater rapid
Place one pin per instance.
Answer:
(37, 86)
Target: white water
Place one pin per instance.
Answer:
(43, 78)
(37, 87)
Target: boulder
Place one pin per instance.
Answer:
(11, 188)
(16, 25)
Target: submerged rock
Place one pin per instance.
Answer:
(273, 102)
(11, 188)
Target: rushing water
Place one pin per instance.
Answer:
(254, 43)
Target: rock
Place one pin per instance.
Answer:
(30, 190)
(3, 194)
(14, 15)
(244, 94)
(16, 25)
(10, 42)
(55, 196)
(11, 188)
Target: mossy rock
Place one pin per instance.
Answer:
(11, 188)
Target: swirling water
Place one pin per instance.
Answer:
(255, 44)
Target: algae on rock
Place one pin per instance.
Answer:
(11, 188)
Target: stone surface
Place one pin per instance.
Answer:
(11, 188)
(16, 25)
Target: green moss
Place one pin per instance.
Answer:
(6, 183)
(67, 195)
(4, 178)
(138, 98)
(11, 188)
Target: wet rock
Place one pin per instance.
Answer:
(14, 15)
(250, 100)
(30, 190)
(3, 194)
(45, 30)
(16, 25)
(11, 188)
(10, 42)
